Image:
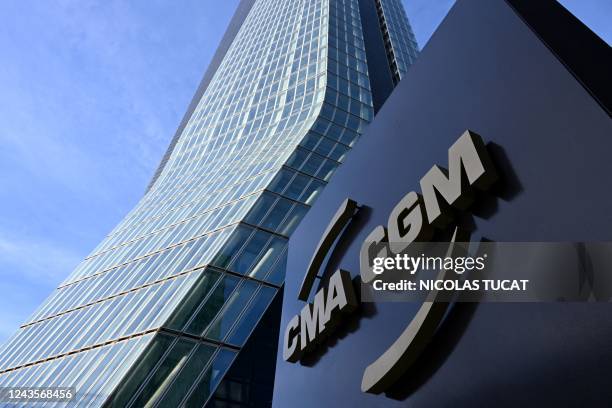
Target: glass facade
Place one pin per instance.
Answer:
(157, 313)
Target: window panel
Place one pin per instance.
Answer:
(277, 274)
(232, 308)
(209, 379)
(264, 202)
(209, 309)
(147, 362)
(291, 222)
(268, 258)
(277, 214)
(165, 373)
(281, 180)
(249, 254)
(236, 241)
(297, 185)
(197, 294)
(185, 379)
(312, 191)
(252, 315)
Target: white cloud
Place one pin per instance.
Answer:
(29, 271)
(36, 261)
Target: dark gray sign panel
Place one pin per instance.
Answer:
(548, 132)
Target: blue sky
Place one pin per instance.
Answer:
(92, 92)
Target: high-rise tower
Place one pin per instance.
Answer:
(160, 311)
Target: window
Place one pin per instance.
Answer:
(252, 315)
(277, 214)
(210, 378)
(149, 359)
(293, 219)
(208, 310)
(268, 257)
(236, 241)
(264, 202)
(249, 254)
(163, 376)
(232, 309)
(185, 379)
(197, 294)
(295, 188)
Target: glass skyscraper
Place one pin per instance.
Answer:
(162, 311)
(400, 43)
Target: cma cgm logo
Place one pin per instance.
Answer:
(414, 218)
